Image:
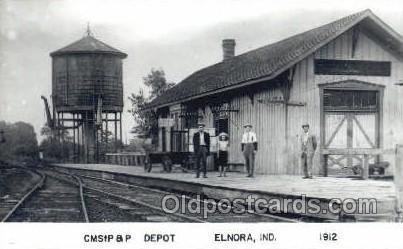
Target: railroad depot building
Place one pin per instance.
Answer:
(341, 78)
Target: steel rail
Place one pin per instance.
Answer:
(143, 204)
(129, 199)
(272, 216)
(80, 185)
(187, 197)
(30, 192)
(82, 198)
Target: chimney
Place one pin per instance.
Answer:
(228, 48)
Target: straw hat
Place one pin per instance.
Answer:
(223, 134)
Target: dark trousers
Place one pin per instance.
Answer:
(249, 155)
(306, 162)
(201, 155)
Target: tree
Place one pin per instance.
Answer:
(20, 142)
(51, 149)
(56, 147)
(146, 120)
(108, 143)
(157, 83)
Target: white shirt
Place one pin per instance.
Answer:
(249, 137)
(223, 145)
(202, 142)
(305, 137)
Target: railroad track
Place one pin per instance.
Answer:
(132, 197)
(66, 197)
(152, 198)
(13, 201)
(50, 200)
(107, 206)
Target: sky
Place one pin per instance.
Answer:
(178, 36)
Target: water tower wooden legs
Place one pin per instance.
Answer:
(83, 141)
(89, 138)
(106, 139)
(74, 137)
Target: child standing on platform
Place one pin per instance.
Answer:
(223, 145)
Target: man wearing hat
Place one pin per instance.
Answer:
(308, 147)
(201, 144)
(249, 148)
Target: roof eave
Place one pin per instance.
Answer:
(368, 14)
(386, 27)
(265, 78)
(59, 53)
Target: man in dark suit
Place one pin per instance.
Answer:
(201, 145)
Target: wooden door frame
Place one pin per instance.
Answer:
(352, 85)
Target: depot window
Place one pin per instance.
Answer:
(350, 100)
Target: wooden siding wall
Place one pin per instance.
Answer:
(268, 123)
(277, 155)
(306, 86)
(303, 90)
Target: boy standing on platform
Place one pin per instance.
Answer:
(249, 148)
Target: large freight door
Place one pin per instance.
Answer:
(351, 120)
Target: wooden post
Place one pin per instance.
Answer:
(106, 133)
(324, 158)
(96, 142)
(116, 132)
(398, 178)
(365, 167)
(85, 143)
(74, 138)
(120, 127)
(62, 137)
(168, 138)
(350, 136)
(78, 138)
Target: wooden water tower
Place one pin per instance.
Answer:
(87, 95)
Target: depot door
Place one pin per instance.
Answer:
(351, 120)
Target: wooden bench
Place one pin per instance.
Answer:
(350, 152)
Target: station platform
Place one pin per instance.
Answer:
(237, 185)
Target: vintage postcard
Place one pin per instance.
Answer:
(172, 113)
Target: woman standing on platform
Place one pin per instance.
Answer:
(223, 145)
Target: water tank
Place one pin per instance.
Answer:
(84, 72)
